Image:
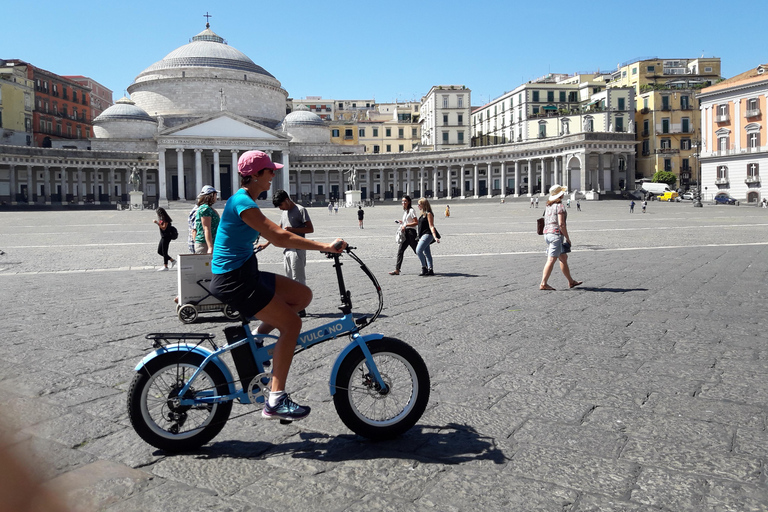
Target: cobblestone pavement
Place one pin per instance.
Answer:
(642, 390)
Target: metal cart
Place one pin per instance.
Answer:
(194, 276)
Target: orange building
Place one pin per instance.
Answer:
(734, 132)
(62, 107)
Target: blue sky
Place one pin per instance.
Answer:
(389, 51)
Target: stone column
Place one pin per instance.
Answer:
(584, 161)
(397, 183)
(144, 182)
(180, 172)
(64, 187)
(382, 190)
(435, 188)
(629, 183)
(600, 185)
(462, 185)
(531, 175)
(489, 179)
(544, 175)
(517, 178)
(503, 179)
(216, 170)
(298, 184)
(233, 175)
(312, 189)
(327, 185)
(198, 170)
(112, 197)
(30, 190)
(286, 184)
(448, 186)
(12, 184)
(162, 195)
(47, 182)
(79, 185)
(476, 182)
(421, 181)
(271, 192)
(408, 181)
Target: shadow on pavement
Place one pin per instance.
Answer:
(454, 274)
(429, 444)
(612, 290)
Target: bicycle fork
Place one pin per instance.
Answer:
(373, 374)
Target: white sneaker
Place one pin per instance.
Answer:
(173, 263)
(162, 269)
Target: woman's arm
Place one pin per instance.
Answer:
(207, 233)
(563, 229)
(282, 238)
(431, 220)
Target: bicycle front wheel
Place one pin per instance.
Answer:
(372, 412)
(154, 409)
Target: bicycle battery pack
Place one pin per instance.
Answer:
(243, 356)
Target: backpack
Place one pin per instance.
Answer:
(173, 233)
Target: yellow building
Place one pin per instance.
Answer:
(389, 128)
(16, 104)
(667, 119)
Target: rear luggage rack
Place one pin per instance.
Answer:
(169, 338)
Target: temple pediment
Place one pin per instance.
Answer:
(225, 125)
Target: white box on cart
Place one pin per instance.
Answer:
(194, 268)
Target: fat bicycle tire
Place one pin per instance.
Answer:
(149, 403)
(370, 413)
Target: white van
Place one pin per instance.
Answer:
(655, 188)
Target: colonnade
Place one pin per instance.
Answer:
(601, 171)
(59, 183)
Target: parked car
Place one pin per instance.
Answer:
(689, 196)
(725, 199)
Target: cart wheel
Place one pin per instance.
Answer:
(187, 313)
(231, 313)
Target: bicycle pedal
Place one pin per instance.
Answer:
(286, 422)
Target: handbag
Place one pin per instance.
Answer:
(436, 237)
(399, 236)
(540, 225)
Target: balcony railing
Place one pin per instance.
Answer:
(722, 118)
(667, 151)
(721, 181)
(753, 112)
(645, 133)
(752, 179)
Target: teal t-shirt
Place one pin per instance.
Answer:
(206, 211)
(234, 239)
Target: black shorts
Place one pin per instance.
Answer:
(246, 288)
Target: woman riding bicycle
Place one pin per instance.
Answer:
(273, 299)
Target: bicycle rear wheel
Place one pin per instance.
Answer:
(371, 412)
(155, 413)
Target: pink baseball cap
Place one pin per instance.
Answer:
(252, 162)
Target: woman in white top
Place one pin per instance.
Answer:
(408, 226)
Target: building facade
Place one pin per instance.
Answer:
(444, 117)
(733, 136)
(16, 104)
(667, 114)
(101, 97)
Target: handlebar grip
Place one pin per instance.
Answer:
(338, 245)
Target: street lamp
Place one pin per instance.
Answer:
(697, 200)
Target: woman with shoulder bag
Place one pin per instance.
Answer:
(427, 235)
(555, 231)
(408, 229)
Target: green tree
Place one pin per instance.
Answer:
(665, 177)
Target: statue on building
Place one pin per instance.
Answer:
(134, 180)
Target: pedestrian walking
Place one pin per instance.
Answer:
(568, 202)
(578, 205)
(531, 206)
(447, 210)
(427, 235)
(557, 238)
(206, 220)
(192, 225)
(644, 204)
(336, 208)
(167, 233)
(330, 207)
(360, 215)
(408, 227)
(631, 207)
(295, 219)
(537, 201)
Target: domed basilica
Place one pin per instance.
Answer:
(206, 102)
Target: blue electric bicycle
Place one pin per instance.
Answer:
(182, 393)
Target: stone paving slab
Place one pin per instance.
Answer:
(644, 389)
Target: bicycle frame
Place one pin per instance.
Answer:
(260, 351)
